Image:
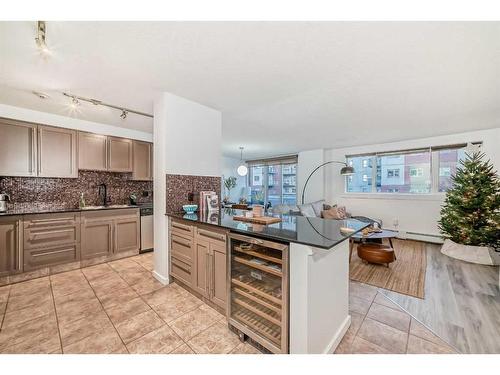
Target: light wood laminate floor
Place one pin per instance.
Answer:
(461, 305)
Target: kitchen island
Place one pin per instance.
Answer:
(313, 316)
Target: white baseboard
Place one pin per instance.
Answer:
(420, 237)
(339, 335)
(162, 279)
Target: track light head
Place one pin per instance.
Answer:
(40, 37)
(74, 103)
(124, 114)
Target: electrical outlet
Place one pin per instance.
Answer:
(395, 222)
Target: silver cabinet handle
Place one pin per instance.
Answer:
(183, 227)
(52, 252)
(208, 234)
(181, 242)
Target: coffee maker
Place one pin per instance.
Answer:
(4, 198)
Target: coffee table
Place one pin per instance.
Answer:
(389, 234)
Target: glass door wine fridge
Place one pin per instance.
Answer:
(258, 290)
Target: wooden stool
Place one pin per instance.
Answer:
(376, 253)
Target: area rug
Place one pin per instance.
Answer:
(405, 275)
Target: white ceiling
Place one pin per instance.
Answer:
(282, 87)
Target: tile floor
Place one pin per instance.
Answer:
(379, 326)
(118, 307)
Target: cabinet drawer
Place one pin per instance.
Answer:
(51, 220)
(50, 237)
(181, 270)
(37, 258)
(212, 236)
(181, 229)
(182, 248)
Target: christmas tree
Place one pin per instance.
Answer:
(470, 214)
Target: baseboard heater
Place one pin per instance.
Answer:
(421, 236)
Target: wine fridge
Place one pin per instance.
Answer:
(258, 290)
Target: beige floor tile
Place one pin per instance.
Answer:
(42, 346)
(245, 348)
(76, 310)
(160, 341)
(19, 317)
(380, 334)
(118, 297)
(39, 329)
(3, 307)
(183, 349)
(147, 285)
(364, 291)
(359, 305)
(63, 289)
(102, 342)
(74, 331)
(70, 277)
(99, 270)
(361, 346)
(123, 264)
(417, 345)
(418, 329)
(31, 275)
(382, 300)
(344, 347)
(107, 284)
(127, 310)
(135, 276)
(391, 317)
(30, 287)
(164, 295)
(193, 322)
(177, 306)
(83, 294)
(217, 339)
(29, 300)
(139, 325)
(4, 293)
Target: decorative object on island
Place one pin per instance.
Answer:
(212, 203)
(203, 200)
(470, 215)
(258, 210)
(346, 170)
(242, 169)
(229, 184)
(264, 220)
(190, 208)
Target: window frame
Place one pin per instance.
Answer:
(433, 193)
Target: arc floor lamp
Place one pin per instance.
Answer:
(346, 170)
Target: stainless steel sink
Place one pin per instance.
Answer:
(93, 207)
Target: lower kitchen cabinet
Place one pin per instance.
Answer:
(11, 245)
(109, 232)
(198, 260)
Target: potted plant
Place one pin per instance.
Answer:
(229, 184)
(470, 215)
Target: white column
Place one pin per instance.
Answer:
(307, 162)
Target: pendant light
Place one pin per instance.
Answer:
(242, 169)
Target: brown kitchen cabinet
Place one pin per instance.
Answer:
(11, 245)
(202, 261)
(51, 239)
(18, 156)
(218, 276)
(142, 161)
(92, 151)
(57, 156)
(109, 232)
(119, 154)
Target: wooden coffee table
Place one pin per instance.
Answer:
(385, 233)
(376, 253)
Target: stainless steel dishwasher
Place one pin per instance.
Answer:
(147, 234)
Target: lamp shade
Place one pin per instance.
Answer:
(347, 170)
(242, 170)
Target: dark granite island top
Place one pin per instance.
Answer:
(312, 231)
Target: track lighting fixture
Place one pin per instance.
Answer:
(74, 103)
(40, 37)
(124, 114)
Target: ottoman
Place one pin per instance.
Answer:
(376, 253)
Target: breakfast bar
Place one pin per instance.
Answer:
(287, 282)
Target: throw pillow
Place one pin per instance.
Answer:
(318, 207)
(334, 213)
(307, 210)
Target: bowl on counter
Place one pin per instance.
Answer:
(190, 208)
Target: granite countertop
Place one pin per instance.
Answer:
(312, 231)
(33, 208)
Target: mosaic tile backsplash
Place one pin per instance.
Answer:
(65, 192)
(179, 186)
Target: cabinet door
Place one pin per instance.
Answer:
(17, 148)
(10, 245)
(127, 234)
(119, 154)
(218, 291)
(142, 163)
(56, 152)
(201, 271)
(97, 238)
(92, 151)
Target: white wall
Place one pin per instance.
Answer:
(417, 214)
(29, 115)
(188, 140)
(229, 167)
(307, 162)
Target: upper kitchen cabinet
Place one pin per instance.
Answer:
(142, 161)
(17, 148)
(119, 154)
(57, 152)
(92, 151)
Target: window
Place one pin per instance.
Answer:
(281, 177)
(412, 172)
